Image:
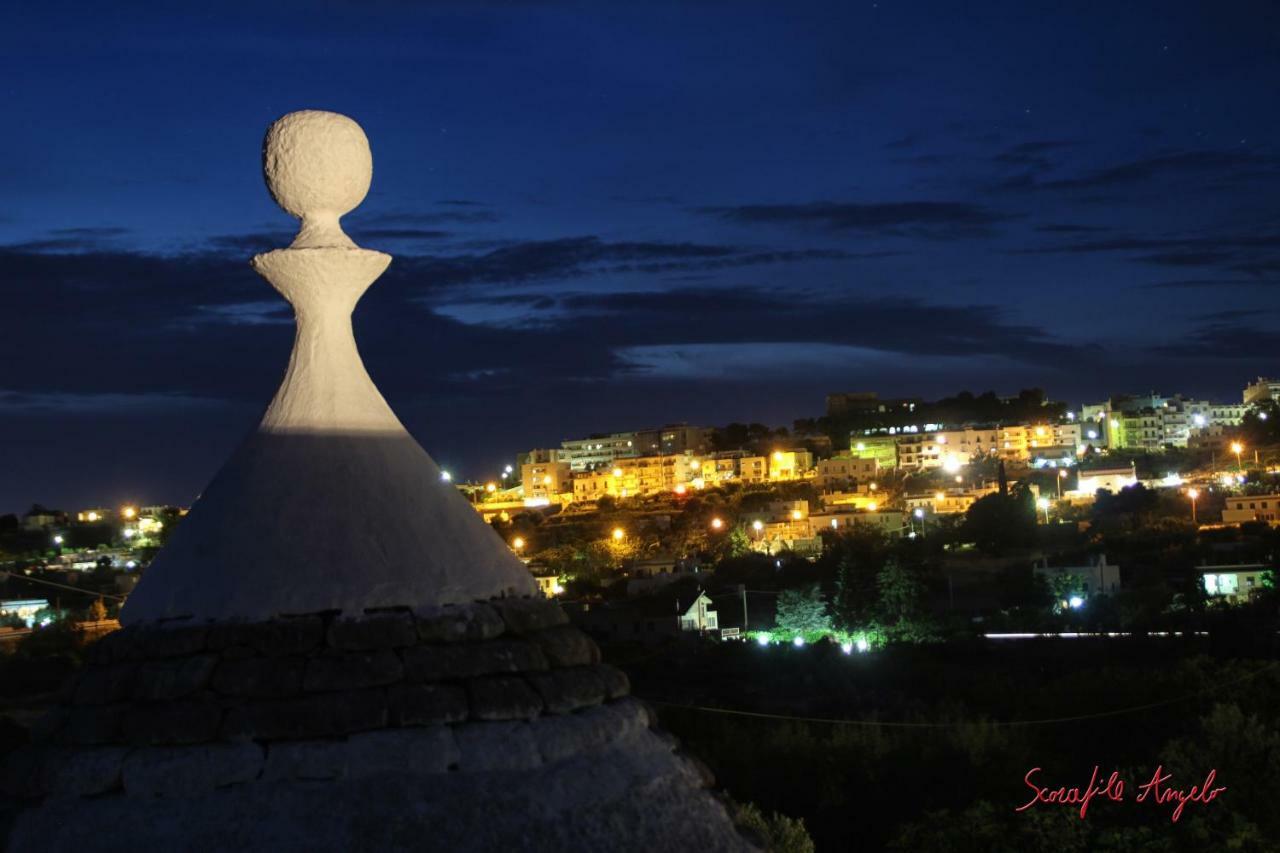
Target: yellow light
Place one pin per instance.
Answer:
(716, 523)
(796, 514)
(939, 496)
(1237, 448)
(1040, 431)
(128, 512)
(777, 456)
(757, 525)
(618, 533)
(695, 464)
(517, 543)
(546, 480)
(617, 472)
(1193, 493)
(681, 489)
(92, 516)
(872, 506)
(490, 487)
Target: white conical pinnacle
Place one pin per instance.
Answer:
(330, 504)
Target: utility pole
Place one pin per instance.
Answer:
(744, 606)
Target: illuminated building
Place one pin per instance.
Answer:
(1252, 508)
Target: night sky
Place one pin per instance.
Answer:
(609, 216)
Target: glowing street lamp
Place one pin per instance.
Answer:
(518, 544)
(491, 487)
(796, 515)
(1193, 494)
(57, 540)
(1043, 503)
(128, 512)
(618, 534)
(717, 523)
(446, 476)
(1237, 448)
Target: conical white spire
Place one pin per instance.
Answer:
(330, 504)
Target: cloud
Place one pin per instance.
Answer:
(63, 403)
(1185, 259)
(1032, 156)
(1203, 283)
(1248, 253)
(937, 219)
(768, 316)
(458, 212)
(81, 239)
(1225, 339)
(1175, 165)
(572, 257)
(1062, 228)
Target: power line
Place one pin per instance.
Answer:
(27, 579)
(996, 723)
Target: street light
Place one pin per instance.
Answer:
(717, 523)
(1062, 475)
(618, 534)
(128, 512)
(1043, 503)
(57, 540)
(1237, 448)
(1193, 494)
(518, 544)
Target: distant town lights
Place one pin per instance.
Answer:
(796, 515)
(128, 512)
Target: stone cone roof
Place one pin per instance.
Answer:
(334, 653)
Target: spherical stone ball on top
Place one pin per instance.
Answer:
(317, 167)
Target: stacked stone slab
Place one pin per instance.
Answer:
(457, 697)
(334, 653)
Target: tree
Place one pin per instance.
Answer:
(901, 604)
(803, 610)
(999, 522)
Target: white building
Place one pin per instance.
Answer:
(1252, 508)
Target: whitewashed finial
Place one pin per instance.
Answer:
(330, 505)
(318, 168)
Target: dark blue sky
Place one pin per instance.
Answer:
(613, 215)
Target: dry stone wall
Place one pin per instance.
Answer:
(177, 710)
